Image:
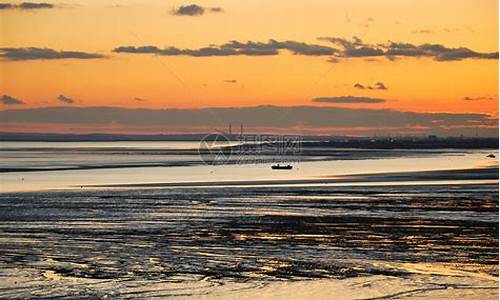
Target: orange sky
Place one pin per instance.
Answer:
(96, 26)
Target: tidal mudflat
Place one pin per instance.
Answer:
(352, 242)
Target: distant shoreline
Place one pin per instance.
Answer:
(402, 142)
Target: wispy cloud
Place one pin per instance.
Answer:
(357, 48)
(65, 99)
(333, 60)
(9, 100)
(423, 31)
(26, 6)
(216, 9)
(478, 98)
(194, 10)
(232, 48)
(376, 86)
(348, 99)
(379, 86)
(33, 53)
(446, 30)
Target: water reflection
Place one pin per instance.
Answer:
(143, 166)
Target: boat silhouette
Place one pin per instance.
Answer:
(280, 167)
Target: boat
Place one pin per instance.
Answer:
(280, 167)
(491, 156)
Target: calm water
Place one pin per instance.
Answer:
(87, 145)
(90, 163)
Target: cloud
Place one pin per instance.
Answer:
(436, 51)
(231, 81)
(478, 98)
(363, 52)
(333, 60)
(463, 53)
(377, 86)
(194, 10)
(216, 9)
(423, 31)
(26, 5)
(344, 48)
(392, 58)
(206, 51)
(8, 100)
(366, 23)
(232, 48)
(357, 48)
(33, 5)
(6, 6)
(65, 99)
(354, 48)
(33, 53)
(348, 99)
(273, 46)
(266, 117)
(189, 10)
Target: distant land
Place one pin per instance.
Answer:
(404, 142)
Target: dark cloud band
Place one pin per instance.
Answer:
(348, 99)
(357, 48)
(34, 53)
(271, 47)
(26, 6)
(343, 49)
(258, 116)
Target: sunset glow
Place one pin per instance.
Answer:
(425, 83)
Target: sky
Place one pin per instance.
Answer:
(356, 58)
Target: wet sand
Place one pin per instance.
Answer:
(376, 287)
(268, 242)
